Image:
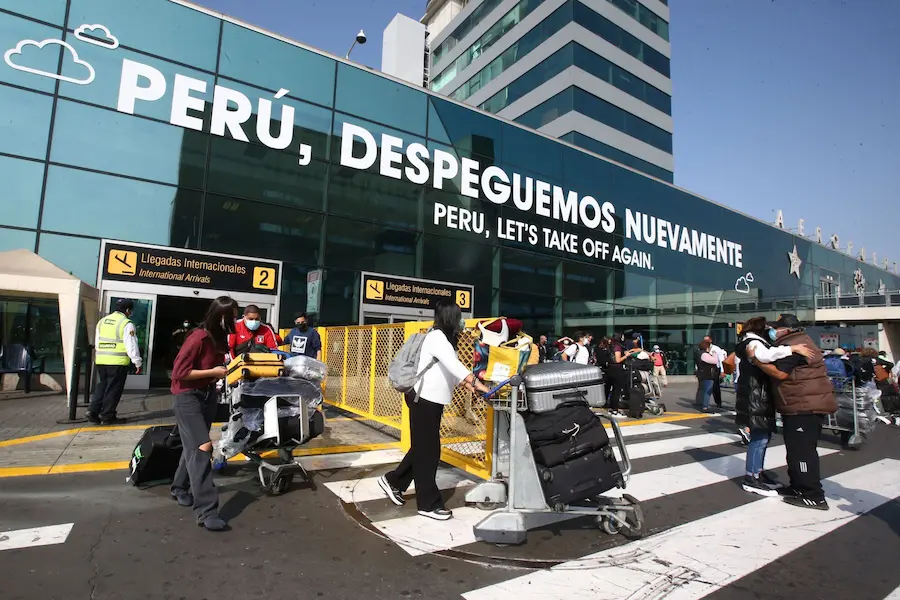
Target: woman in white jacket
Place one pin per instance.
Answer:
(443, 373)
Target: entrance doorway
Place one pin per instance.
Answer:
(382, 319)
(172, 314)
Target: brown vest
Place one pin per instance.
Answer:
(807, 390)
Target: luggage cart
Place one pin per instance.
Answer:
(648, 380)
(515, 494)
(850, 436)
(282, 435)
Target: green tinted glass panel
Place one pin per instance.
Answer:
(104, 140)
(260, 173)
(644, 16)
(104, 90)
(16, 239)
(24, 122)
(263, 229)
(165, 29)
(362, 246)
(583, 141)
(150, 213)
(467, 25)
(272, 64)
(20, 191)
(42, 63)
(51, 11)
(379, 99)
(76, 255)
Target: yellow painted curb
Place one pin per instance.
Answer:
(670, 418)
(38, 438)
(6, 472)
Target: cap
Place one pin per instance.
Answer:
(786, 322)
(124, 304)
(656, 348)
(839, 352)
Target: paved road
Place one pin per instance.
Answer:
(705, 536)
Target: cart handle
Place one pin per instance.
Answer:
(514, 381)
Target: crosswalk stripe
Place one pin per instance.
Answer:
(633, 430)
(326, 462)
(367, 489)
(692, 561)
(895, 595)
(409, 534)
(35, 536)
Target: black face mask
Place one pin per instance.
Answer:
(303, 326)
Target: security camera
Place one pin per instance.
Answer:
(361, 37)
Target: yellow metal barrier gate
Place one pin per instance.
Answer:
(358, 359)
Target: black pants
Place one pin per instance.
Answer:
(108, 393)
(194, 414)
(801, 438)
(717, 390)
(616, 380)
(421, 461)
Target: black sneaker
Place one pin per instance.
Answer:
(438, 514)
(787, 491)
(807, 502)
(114, 421)
(745, 437)
(184, 499)
(390, 491)
(92, 418)
(755, 486)
(767, 479)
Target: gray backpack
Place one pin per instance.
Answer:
(402, 372)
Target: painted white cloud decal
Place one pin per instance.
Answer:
(743, 282)
(68, 51)
(89, 34)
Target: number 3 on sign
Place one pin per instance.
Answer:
(264, 278)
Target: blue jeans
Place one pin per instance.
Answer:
(756, 450)
(704, 392)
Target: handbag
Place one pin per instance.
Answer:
(728, 365)
(499, 363)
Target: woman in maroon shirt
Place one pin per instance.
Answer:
(199, 364)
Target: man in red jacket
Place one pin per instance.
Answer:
(251, 334)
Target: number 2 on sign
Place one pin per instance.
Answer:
(264, 278)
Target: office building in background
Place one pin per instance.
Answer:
(592, 72)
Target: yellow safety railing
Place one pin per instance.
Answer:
(358, 359)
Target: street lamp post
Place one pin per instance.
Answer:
(360, 39)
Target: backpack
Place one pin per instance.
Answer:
(402, 372)
(836, 366)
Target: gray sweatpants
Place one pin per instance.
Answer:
(194, 414)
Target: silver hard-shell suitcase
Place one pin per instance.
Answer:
(547, 385)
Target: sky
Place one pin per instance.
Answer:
(777, 104)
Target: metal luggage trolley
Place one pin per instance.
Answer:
(515, 493)
(850, 435)
(281, 435)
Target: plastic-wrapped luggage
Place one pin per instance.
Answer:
(547, 385)
(866, 396)
(254, 365)
(305, 367)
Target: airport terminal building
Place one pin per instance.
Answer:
(165, 153)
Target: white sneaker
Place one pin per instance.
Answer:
(438, 514)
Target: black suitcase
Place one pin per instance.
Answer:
(559, 424)
(156, 456)
(636, 399)
(584, 442)
(582, 478)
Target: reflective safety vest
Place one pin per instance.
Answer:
(111, 341)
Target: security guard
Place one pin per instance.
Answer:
(116, 350)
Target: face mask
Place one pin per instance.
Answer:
(303, 326)
(772, 335)
(186, 324)
(251, 325)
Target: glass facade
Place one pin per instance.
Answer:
(644, 16)
(571, 11)
(589, 143)
(574, 54)
(575, 98)
(231, 141)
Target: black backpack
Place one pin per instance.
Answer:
(156, 456)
